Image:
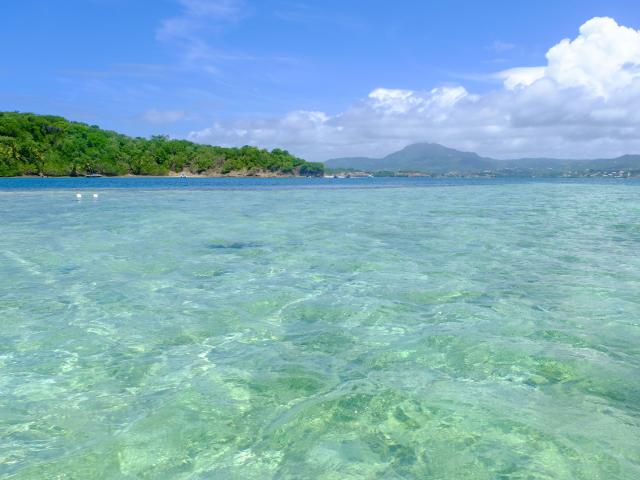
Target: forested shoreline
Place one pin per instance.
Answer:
(48, 145)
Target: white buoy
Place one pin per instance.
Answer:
(95, 195)
(78, 196)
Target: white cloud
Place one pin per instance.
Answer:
(389, 100)
(604, 58)
(163, 116)
(521, 77)
(584, 103)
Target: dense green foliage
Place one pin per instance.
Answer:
(48, 145)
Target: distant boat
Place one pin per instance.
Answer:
(93, 175)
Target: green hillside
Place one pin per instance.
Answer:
(53, 146)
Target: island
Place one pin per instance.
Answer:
(46, 145)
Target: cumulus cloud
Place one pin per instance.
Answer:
(584, 102)
(520, 76)
(604, 58)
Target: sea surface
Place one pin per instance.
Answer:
(319, 329)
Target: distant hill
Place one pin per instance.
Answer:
(53, 146)
(419, 157)
(437, 159)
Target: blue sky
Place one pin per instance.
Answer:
(234, 72)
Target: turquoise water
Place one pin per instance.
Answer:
(478, 331)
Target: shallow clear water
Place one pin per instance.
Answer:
(480, 331)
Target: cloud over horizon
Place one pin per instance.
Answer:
(585, 102)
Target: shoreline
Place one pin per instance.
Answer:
(284, 177)
(164, 176)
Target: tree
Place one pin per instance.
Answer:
(49, 145)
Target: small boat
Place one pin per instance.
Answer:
(93, 175)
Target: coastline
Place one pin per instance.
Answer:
(170, 175)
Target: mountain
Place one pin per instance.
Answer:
(419, 157)
(438, 160)
(53, 146)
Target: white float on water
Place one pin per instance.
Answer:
(95, 195)
(78, 196)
